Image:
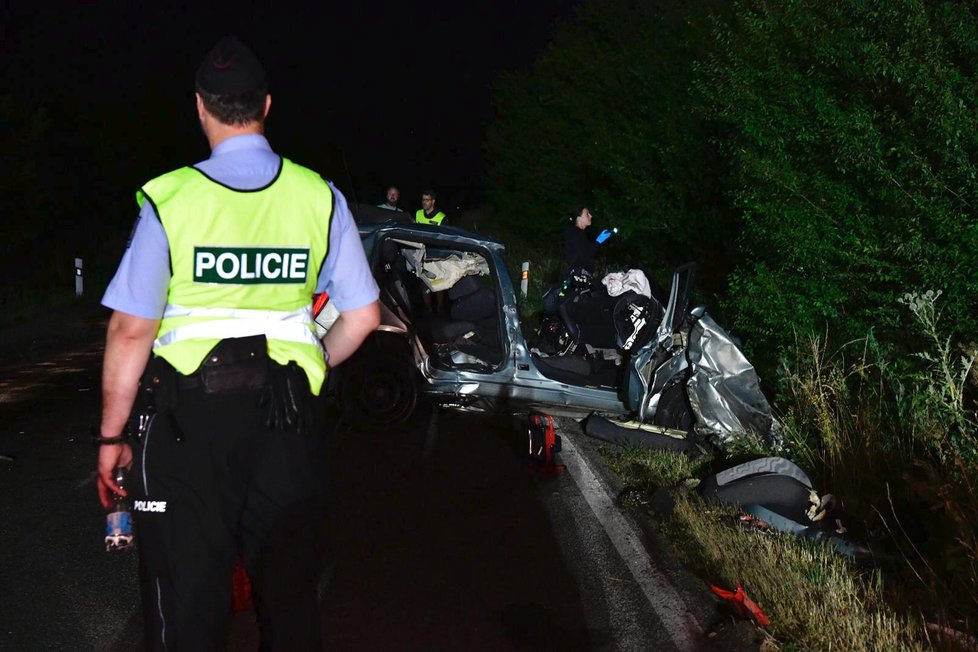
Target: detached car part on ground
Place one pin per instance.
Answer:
(672, 369)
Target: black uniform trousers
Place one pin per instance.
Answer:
(211, 482)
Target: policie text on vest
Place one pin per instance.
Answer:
(250, 265)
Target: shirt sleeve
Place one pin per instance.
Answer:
(140, 284)
(345, 274)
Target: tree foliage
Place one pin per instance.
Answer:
(852, 147)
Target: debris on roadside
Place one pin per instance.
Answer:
(544, 443)
(639, 435)
(742, 604)
(774, 494)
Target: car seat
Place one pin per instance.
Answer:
(472, 325)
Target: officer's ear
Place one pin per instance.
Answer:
(200, 107)
(268, 105)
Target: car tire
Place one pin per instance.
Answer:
(673, 410)
(378, 386)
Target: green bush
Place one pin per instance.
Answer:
(849, 128)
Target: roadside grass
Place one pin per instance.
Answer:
(895, 439)
(643, 471)
(814, 598)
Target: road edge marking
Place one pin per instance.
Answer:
(676, 617)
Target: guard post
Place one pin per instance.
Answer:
(525, 278)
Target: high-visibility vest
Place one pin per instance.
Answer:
(420, 218)
(243, 262)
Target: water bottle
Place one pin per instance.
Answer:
(118, 519)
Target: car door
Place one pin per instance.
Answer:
(658, 370)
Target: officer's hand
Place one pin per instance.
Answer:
(604, 235)
(109, 459)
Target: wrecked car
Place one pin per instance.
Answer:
(668, 366)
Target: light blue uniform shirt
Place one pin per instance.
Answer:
(139, 286)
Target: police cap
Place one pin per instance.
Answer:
(231, 68)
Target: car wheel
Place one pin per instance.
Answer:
(673, 410)
(378, 386)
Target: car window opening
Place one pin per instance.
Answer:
(448, 296)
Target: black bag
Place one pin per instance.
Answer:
(235, 364)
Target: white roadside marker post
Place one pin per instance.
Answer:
(525, 278)
(79, 281)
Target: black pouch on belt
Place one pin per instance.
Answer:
(235, 364)
(287, 399)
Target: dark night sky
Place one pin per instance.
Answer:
(398, 90)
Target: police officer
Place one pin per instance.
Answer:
(428, 214)
(214, 290)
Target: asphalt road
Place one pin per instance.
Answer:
(443, 536)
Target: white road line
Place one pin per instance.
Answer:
(676, 618)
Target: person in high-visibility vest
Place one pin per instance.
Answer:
(212, 360)
(428, 214)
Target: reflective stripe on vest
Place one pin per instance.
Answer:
(244, 263)
(420, 218)
(240, 322)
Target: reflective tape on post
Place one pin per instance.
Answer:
(525, 278)
(79, 282)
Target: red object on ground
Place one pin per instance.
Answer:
(744, 605)
(241, 591)
(543, 443)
